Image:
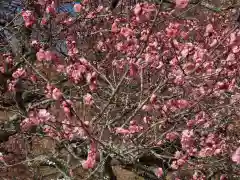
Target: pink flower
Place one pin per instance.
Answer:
(77, 7)
(173, 30)
(153, 98)
(185, 52)
(114, 27)
(213, 43)
(178, 154)
(44, 21)
(182, 103)
(137, 9)
(50, 9)
(2, 69)
(52, 92)
(172, 136)
(236, 49)
(11, 85)
(88, 99)
(236, 156)
(181, 3)
(233, 38)
(91, 159)
(209, 30)
(41, 55)
(147, 107)
(126, 32)
(20, 72)
(68, 21)
(50, 56)
(123, 131)
(44, 115)
(135, 129)
(159, 172)
(56, 94)
(181, 162)
(187, 141)
(28, 18)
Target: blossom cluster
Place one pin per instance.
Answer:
(138, 80)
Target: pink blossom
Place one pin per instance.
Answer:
(137, 9)
(2, 69)
(52, 92)
(91, 80)
(233, 38)
(159, 143)
(77, 8)
(159, 172)
(231, 57)
(20, 72)
(28, 18)
(11, 85)
(147, 107)
(174, 165)
(36, 118)
(184, 35)
(123, 131)
(178, 154)
(114, 27)
(126, 32)
(173, 30)
(50, 56)
(44, 115)
(236, 49)
(209, 30)
(91, 15)
(172, 136)
(236, 156)
(179, 80)
(181, 162)
(132, 129)
(143, 11)
(153, 98)
(51, 9)
(76, 72)
(88, 99)
(91, 159)
(182, 103)
(8, 59)
(185, 52)
(44, 21)
(213, 43)
(198, 176)
(187, 141)
(199, 55)
(84, 61)
(206, 152)
(56, 94)
(135, 129)
(68, 21)
(181, 3)
(41, 55)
